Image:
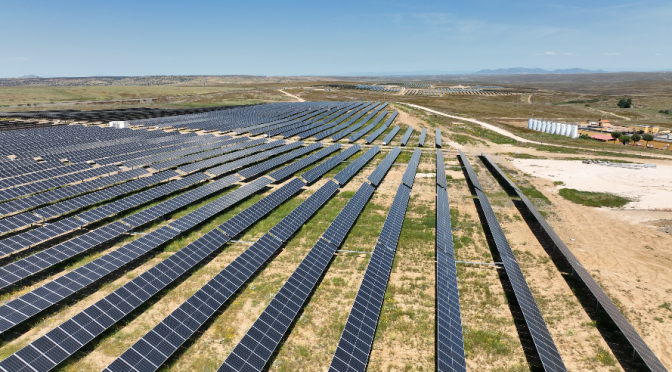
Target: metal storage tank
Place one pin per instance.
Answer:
(575, 131)
(529, 123)
(563, 129)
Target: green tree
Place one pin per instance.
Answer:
(625, 139)
(625, 103)
(584, 136)
(647, 138)
(616, 135)
(635, 138)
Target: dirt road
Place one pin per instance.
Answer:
(293, 96)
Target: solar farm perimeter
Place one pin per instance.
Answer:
(307, 236)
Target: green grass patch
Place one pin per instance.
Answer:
(577, 101)
(486, 341)
(532, 192)
(594, 199)
(524, 156)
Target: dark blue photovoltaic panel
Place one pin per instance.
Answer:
(381, 170)
(438, 138)
(365, 130)
(390, 136)
(247, 160)
(423, 135)
(440, 170)
(406, 136)
(638, 344)
(318, 171)
(200, 165)
(411, 169)
(156, 346)
(470, 171)
(450, 355)
(348, 172)
(372, 137)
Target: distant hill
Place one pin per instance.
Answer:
(522, 70)
(29, 77)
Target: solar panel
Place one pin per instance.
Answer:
(423, 134)
(184, 321)
(290, 169)
(200, 165)
(450, 355)
(355, 136)
(259, 343)
(438, 138)
(470, 171)
(381, 170)
(544, 344)
(348, 172)
(390, 136)
(411, 169)
(639, 345)
(440, 170)
(406, 136)
(318, 171)
(354, 346)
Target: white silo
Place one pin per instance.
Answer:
(529, 123)
(558, 126)
(542, 126)
(575, 131)
(547, 127)
(535, 124)
(563, 129)
(554, 126)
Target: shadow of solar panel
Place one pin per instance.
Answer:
(409, 174)
(290, 169)
(633, 337)
(27, 305)
(423, 135)
(381, 170)
(318, 171)
(406, 136)
(348, 172)
(274, 162)
(229, 167)
(450, 355)
(166, 337)
(390, 136)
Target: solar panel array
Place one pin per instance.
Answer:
(248, 160)
(639, 345)
(354, 346)
(290, 169)
(360, 133)
(376, 133)
(348, 172)
(274, 162)
(450, 355)
(543, 341)
(254, 350)
(156, 346)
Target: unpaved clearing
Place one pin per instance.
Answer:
(293, 96)
(650, 188)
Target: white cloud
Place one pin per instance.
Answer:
(550, 53)
(657, 54)
(611, 54)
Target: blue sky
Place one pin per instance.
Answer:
(85, 38)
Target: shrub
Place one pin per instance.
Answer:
(625, 103)
(616, 135)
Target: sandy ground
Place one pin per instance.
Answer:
(650, 188)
